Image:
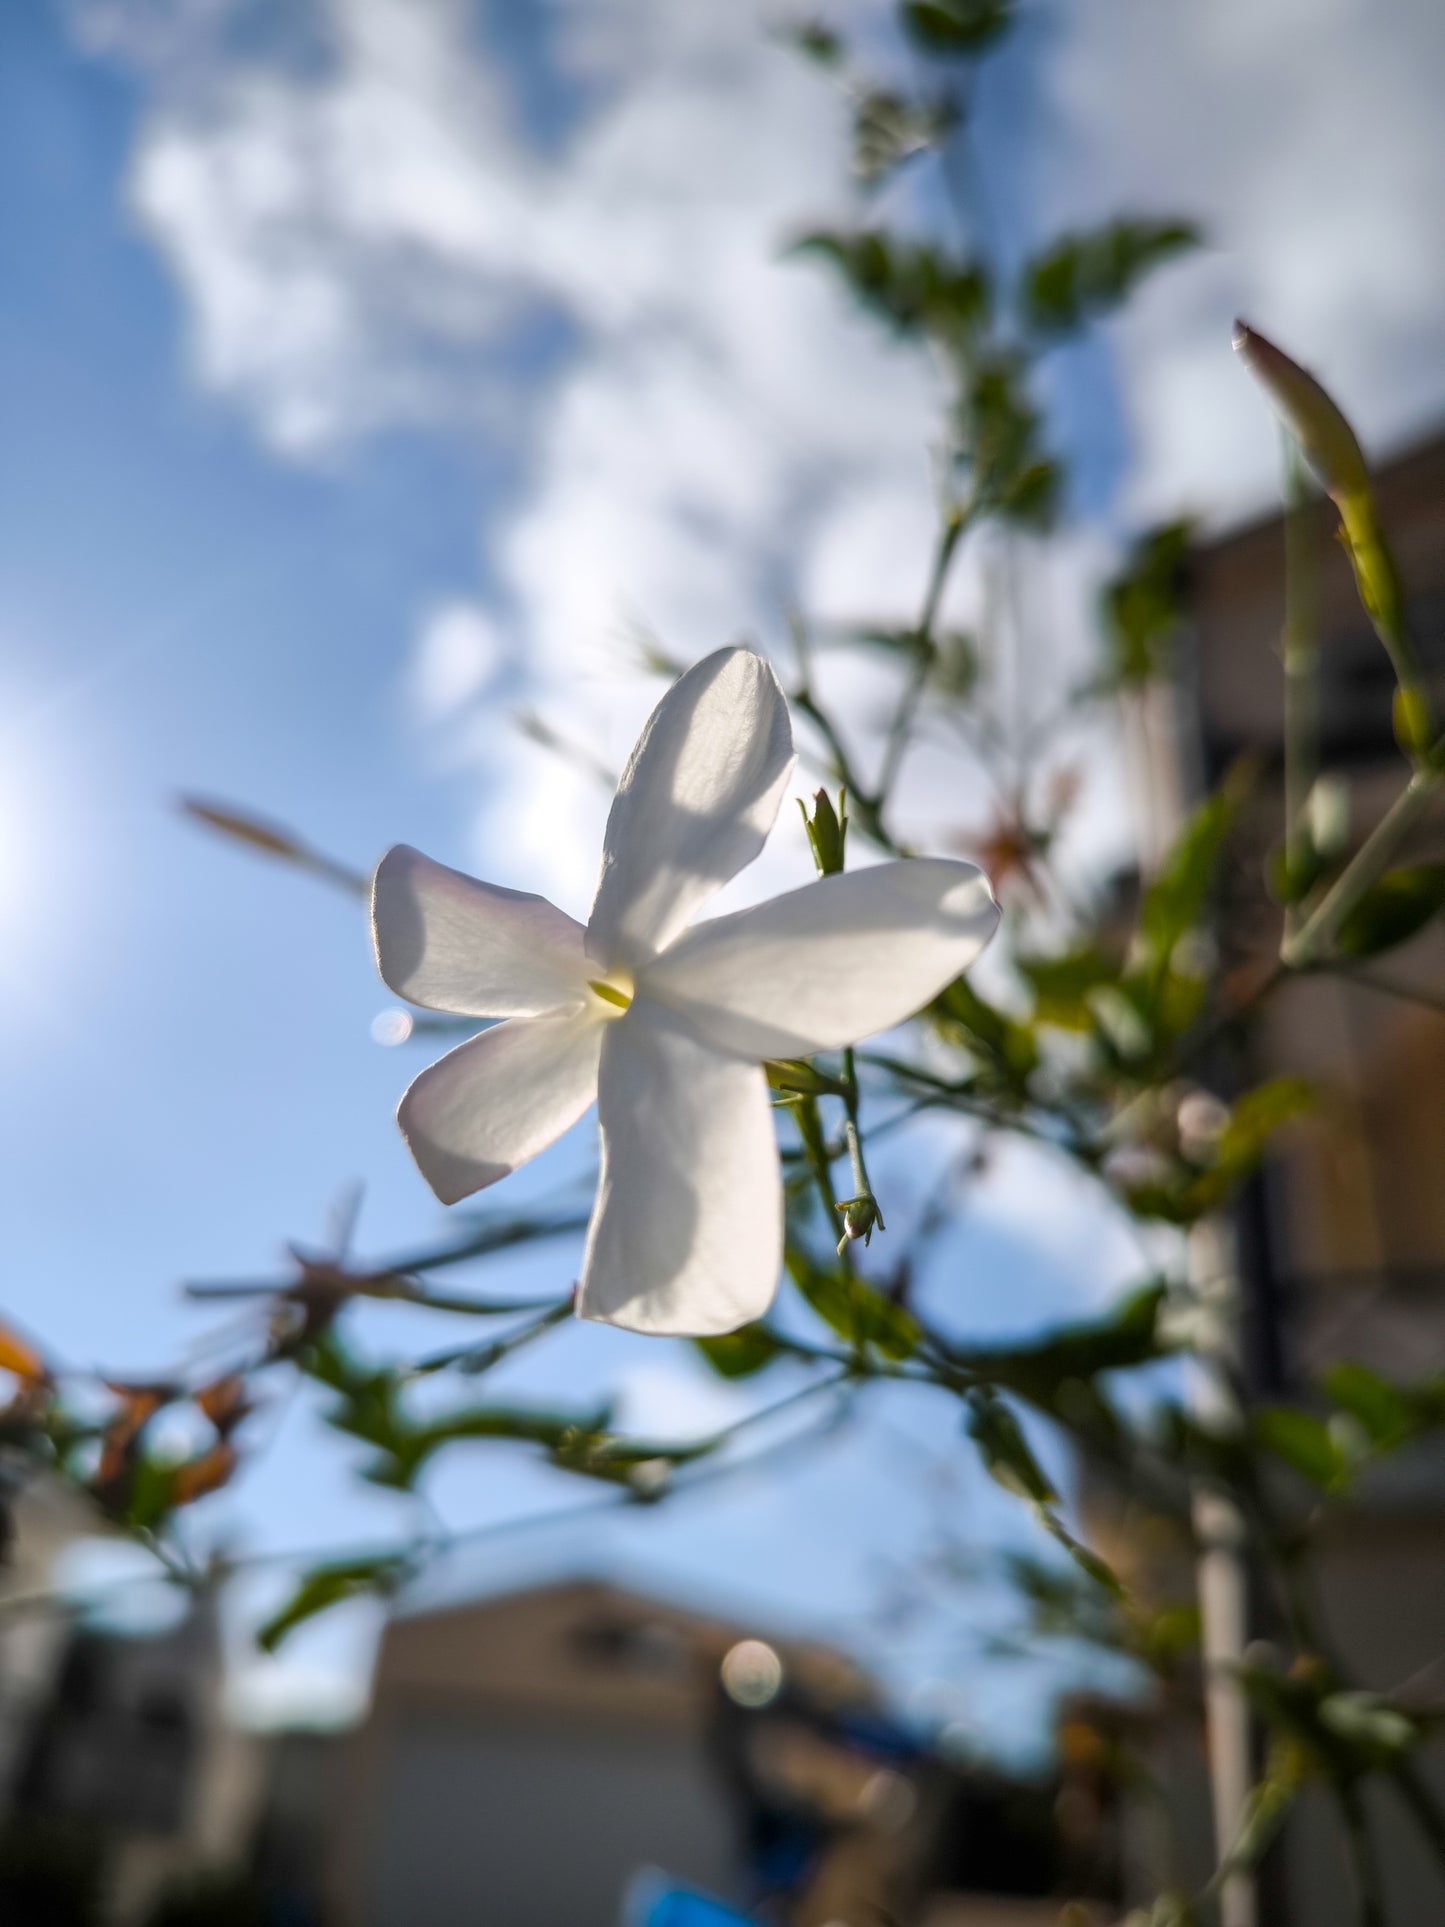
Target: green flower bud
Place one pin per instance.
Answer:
(861, 1218)
(827, 830)
(1326, 439)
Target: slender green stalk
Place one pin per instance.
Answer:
(1300, 653)
(1309, 945)
(900, 730)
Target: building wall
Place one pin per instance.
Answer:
(534, 1823)
(526, 1754)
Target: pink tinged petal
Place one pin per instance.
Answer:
(828, 964)
(696, 802)
(500, 1098)
(687, 1234)
(451, 943)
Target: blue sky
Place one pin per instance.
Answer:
(533, 400)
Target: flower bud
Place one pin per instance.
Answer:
(1326, 439)
(861, 1217)
(827, 828)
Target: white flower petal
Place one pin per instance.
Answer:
(687, 1233)
(451, 943)
(828, 964)
(696, 802)
(500, 1098)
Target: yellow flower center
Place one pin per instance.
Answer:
(612, 993)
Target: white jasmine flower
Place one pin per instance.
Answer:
(666, 1026)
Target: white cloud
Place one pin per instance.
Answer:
(361, 231)
(365, 233)
(1307, 135)
(458, 653)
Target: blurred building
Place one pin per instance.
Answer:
(1345, 1237)
(119, 1770)
(1341, 1240)
(528, 1755)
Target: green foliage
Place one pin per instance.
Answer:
(1384, 1412)
(913, 286)
(1303, 1442)
(852, 1308)
(1009, 1460)
(1083, 276)
(1344, 1734)
(1175, 902)
(1000, 439)
(1006, 1452)
(1144, 604)
(1065, 984)
(956, 29)
(327, 1586)
(890, 129)
(1050, 1371)
(818, 42)
(740, 1354)
(371, 1406)
(1007, 1051)
(1191, 1189)
(1393, 910)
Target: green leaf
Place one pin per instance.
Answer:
(1084, 1557)
(1000, 436)
(1062, 985)
(890, 129)
(554, 1431)
(1087, 274)
(817, 42)
(1175, 902)
(955, 29)
(1006, 1452)
(1256, 1117)
(1381, 1409)
(1126, 1337)
(327, 1586)
(1031, 496)
(858, 1313)
(1303, 1442)
(1145, 603)
(740, 1354)
(1008, 1048)
(914, 287)
(1393, 910)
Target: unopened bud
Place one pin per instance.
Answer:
(861, 1217)
(1326, 440)
(827, 830)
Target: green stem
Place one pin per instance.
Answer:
(901, 727)
(1301, 707)
(1306, 948)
